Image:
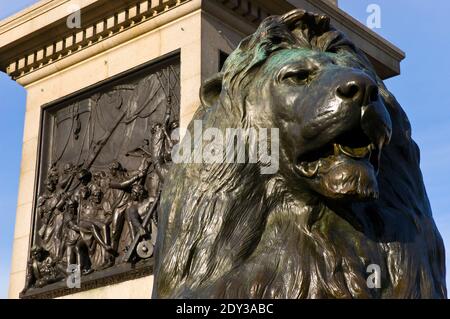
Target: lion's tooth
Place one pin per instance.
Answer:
(308, 169)
(336, 149)
(359, 152)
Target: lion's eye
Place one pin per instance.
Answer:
(298, 76)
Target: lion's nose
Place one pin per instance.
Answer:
(358, 88)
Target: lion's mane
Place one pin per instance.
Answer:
(226, 231)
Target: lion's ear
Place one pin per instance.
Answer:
(210, 90)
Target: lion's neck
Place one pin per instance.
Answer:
(316, 253)
(291, 246)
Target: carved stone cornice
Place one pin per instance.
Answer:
(101, 20)
(385, 56)
(39, 37)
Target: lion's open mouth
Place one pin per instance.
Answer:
(352, 145)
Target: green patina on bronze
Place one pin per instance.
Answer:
(348, 195)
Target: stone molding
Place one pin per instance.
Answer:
(94, 33)
(125, 15)
(357, 27)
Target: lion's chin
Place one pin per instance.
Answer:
(350, 179)
(343, 178)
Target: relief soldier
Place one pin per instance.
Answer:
(41, 269)
(118, 197)
(71, 231)
(49, 209)
(136, 211)
(94, 228)
(160, 152)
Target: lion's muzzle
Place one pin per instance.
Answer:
(345, 139)
(359, 91)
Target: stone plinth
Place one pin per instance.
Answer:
(52, 62)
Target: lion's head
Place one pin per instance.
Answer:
(348, 193)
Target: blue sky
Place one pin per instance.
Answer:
(418, 27)
(12, 108)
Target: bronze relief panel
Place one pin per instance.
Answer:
(103, 157)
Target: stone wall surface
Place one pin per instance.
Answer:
(51, 62)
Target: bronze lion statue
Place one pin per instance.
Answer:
(348, 193)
